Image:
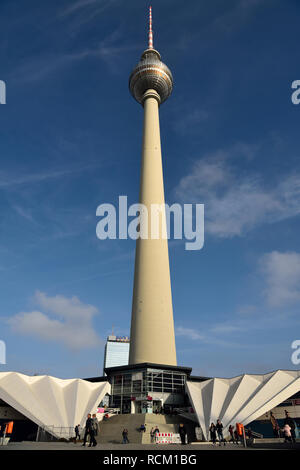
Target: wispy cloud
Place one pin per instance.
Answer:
(72, 326)
(226, 21)
(235, 16)
(8, 180)
(236, 203)
(107, 49)
(226, 329)
(81, 4)
(213, 336)
(189, 121)
(24, 213)
(189, 333)
(84, 11)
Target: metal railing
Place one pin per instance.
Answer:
(112, 411)
(186, 413)
(4, 441)
(51, 432)
(255, 434)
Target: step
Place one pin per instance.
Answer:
(110, 431)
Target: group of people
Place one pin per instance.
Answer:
(153, 432)
(91, 430)
(288, 430)
(181, 431)
(236, 435)
(217, 429)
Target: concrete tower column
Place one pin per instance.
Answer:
(152, 326)
(152, 337)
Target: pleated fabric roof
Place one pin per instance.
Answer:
(240, 399)
(49, 401)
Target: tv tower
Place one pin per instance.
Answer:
(152, 337)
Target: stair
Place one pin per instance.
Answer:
(111, 430)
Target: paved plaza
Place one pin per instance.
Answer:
(147, 447)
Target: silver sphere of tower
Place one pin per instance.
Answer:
(151, 73)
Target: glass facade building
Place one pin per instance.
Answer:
(116, 352)
(147, 389)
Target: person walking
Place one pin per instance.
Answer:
(250, 437)
(95, 424)
(156, 431)
(77, 432)
(125, 436)
(287, 433)
(213, 433)
(182, 433)
(152, 435)
(288, 420)
(231, 432)
(275, 425)
(219, 427)
(236, 436)
(89, 431)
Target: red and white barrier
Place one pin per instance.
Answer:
(168, 438)
(164, 438)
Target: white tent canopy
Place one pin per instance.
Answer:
(51, 402)
(241, 399)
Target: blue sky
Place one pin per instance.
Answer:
(70, 139)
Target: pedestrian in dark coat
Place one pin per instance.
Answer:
(213, 433)
(89, 430)
(219, 427)
(77, 433)
(182, 433)
(231, 431)
(288, 420)
(125, 436)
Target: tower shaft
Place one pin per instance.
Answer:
(152, 326)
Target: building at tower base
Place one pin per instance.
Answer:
(43, 405)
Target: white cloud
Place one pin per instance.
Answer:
(26, 214)
(189, 333)
(213, 335)
(235, 16)
(189, 121)
(282, 277)
(72, 326)
(225, 329)
(78, 6)
(8, 180)
(86, 10)
(236, 202)
(108, 50)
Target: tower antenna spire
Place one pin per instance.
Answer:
(150, 44)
